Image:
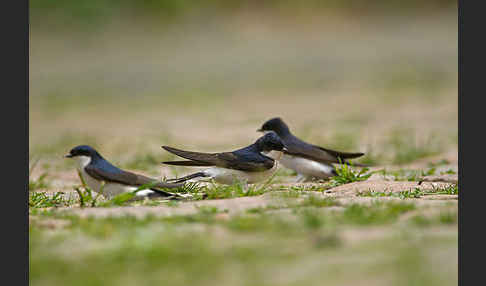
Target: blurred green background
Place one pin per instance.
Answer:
(92, 11)
(329, 68)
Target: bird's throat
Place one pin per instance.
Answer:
(83, 161)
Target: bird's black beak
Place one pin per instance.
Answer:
(260, 130)
(68, 156)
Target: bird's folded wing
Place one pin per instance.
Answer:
(342, 155)
(224, 160)
(126, 178)
(246, 163)
(187, 163)
(320, 154)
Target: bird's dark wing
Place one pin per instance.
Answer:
(342, 155)
(126, 178)
(187, 163)
(303, 149)
(246, 162)
(230, 160)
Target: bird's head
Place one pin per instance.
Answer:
(270, 142)
(84, 154)
(275, 124)
(82, 150)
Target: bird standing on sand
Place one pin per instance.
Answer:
(95, 170)
(309, 161)
(247, 164)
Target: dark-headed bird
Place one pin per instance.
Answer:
(95, 170)
(246, 165)
(308, 160)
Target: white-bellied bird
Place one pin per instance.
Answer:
(308, 160)
(102, 177)
(248, 164)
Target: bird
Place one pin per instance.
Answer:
(95, 170)
(247, 165)
(308, 160)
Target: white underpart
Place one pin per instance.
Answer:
(229, 176)
(109, 189)
(304, 166)
(83, 161)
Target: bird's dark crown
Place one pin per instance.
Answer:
(277, 125)
(269, 142)
(83, 150)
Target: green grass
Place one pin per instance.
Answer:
(202, 259)
(448, 171)
(378, 213)
(236, 190)
(290, 202)
(420, 220)
(445, 217)
(258, 223)
(205, 214)
(309, 188)
(451, 189)
(312, 219)
(316, 201)
(248, 247)
(88, 198)
(408, 174)
(311, 210)
(411, 194)
(292, 192)
(46, 200)
(448, 217)
(346, 174)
